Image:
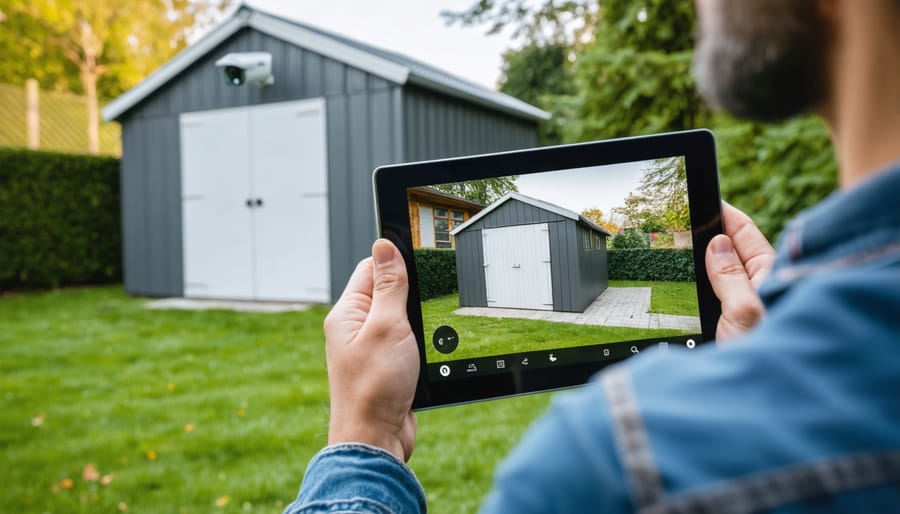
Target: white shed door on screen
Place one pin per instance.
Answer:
(517, 267)
(290, 180)
(216, 222)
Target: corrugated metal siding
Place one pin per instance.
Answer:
(438, 126)
(514, 212)
(564, 265)
(593, 274)
(364, 131)
(151, 206)
(470, 269)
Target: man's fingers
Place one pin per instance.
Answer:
(391, 286)
(354, 303)
(741, 305)
(751, 245)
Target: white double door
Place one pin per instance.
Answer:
(517, 267)
(255, 203)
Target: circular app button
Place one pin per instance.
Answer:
(445, 370)
(690, 343)
(445, 339)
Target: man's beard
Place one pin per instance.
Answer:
(763, 60)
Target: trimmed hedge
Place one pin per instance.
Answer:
(437, 272)
(667, 265)
(59, 219)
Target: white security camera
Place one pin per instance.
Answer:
(243, 67)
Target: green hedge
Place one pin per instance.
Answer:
(437, 272)
(668, 265)
(59, 219)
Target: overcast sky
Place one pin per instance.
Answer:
(604, 187)
(410, 27)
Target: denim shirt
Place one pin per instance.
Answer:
(800, 415)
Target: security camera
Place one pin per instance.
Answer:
(243, 67)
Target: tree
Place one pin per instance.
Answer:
(634, 76)
(774, 171)
(539, 74)
(630, 72)
(596, 216)
(484, 191)
(570, 21)
(628, 240)
(119, 41)
(25, 55)
(661, 204)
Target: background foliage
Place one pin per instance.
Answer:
(59, 219)
(437, 272)
(614, 68)
(668, 265)
(437, 268)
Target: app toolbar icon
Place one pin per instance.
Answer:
(445, 339)
(501, 363)
(525, 361)
(445, 370)
(634, 349)
(690, 344)
(606, 352)
(472, 368)
(553, 358)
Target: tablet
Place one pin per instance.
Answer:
(531, 270)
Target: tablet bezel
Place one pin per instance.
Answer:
(392, 181)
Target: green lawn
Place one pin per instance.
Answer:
(678, 298)
(189, 409)
(483, 336)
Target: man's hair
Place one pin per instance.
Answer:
(763, 59)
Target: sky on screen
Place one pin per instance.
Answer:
(604, 187)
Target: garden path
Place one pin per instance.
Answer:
(615, 307)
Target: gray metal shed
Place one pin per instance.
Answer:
(265, 192)
(524, 253)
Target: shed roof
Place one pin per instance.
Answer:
(540, 204)
(434, 194)
(388, 65)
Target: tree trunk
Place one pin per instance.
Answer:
(89, 82)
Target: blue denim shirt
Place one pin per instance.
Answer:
(801, 415)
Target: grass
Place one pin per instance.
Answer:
(679, 298)
(483, 336)
(194, 412)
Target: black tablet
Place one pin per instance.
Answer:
(530, 270)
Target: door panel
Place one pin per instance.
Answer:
(215, 219)
(287, 143)
(517, 267)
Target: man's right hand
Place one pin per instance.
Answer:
(737, 262)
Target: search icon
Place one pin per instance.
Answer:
(634, 349)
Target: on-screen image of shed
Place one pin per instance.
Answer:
(524, 253)
(264, 191)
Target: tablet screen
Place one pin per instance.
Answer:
(547, 269)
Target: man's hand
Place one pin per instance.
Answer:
(737, 262)
(373, 360)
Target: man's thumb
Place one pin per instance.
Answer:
(390, 281)
(741, 305)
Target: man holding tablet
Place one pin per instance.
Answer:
(799, 412)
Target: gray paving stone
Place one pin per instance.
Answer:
(616, 307)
